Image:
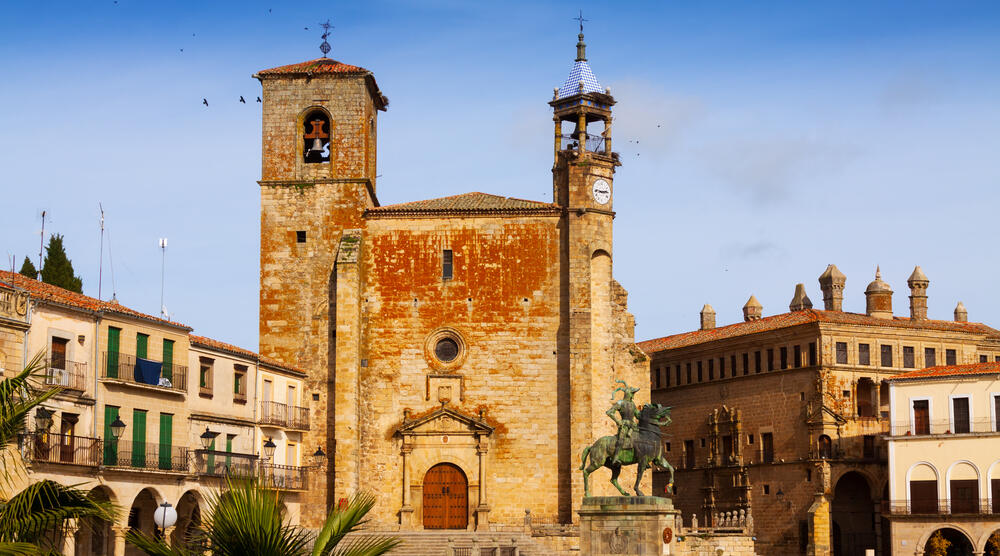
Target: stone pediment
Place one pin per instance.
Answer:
(445, 420)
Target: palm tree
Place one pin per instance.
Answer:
(247, 518)
(34, 520)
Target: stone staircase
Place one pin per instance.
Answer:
(463, 543)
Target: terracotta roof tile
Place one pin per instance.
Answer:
(466, 203)
(796, 318)
(43, 292)
(319, 65)
(943, 371)
(236, 350)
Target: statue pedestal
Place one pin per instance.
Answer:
(636, 525)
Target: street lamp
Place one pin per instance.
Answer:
(165, 516)
(319, 457)
(117, 428)
(43, 419)
(207, 438)
(269, 447)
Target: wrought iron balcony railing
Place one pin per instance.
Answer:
(215, 463)
(945, 426)
(125, 367)
(61, 448)
(282, 415)
(941, 507)
(148, 456)
(284, 477)
(71, 375)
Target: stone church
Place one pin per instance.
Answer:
(461, 352)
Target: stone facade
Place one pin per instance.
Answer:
(785, 415)
(518, 294)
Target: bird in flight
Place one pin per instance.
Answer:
(182, 50)
(258, 99)
(241, 99)
(204, 101)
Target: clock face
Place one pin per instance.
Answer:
(602, 191)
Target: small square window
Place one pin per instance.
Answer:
(300, 236)
(984, 358)
(846, 394)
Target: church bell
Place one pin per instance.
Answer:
(316, 147)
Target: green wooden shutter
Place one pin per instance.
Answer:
(138, 438)
(211, 457)
(168, 360)
(166, 440)
(114, 334)
(110, 446)
(142, 345)
(229, 450)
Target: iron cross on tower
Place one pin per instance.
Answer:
(325, 46)
(581, 20)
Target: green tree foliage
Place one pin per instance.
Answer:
(33, 520)
(28, 269)
(57, 268)
(247, 518)
(993, 544)
(937, 545)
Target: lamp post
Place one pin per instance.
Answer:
(269, 447)
(318, 457)
(117, 429)
(43, 419)
(207, 438)
(165, 516)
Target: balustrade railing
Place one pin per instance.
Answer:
(941, 507)
(945, 426)
(72, 375)
(284, 477)
(127, 368)
(215, 463)
(61, 448)
(145, 455)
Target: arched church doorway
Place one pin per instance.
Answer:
(853, 516)
(446, 498)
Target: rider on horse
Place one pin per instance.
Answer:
(624, 407)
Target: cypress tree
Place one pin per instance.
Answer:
(57, 268)
(28, 269)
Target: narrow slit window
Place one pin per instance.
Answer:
(300, 236)
(447, 265)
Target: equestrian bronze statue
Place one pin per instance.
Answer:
(639, 441)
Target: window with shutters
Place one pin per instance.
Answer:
(110, 444)
(996, 412)
(240, 383)
(666, 375)
(964, 496)
(58, 359)
(700, 375)
(812, 354)
(205, 367)
(908, 361)
(746, 364)
(756, 359)
(770, 360)
(784, 357)
(984, 358)
(687, 367)
(841, 353)
(166, 440)
(732, 366)
(138, 438)
(921, 417)
(111, 356)
(711, 369)
(930, 357)
(797, 357)
(656, 377)
(960, 414)
(677, 374)
(949, 357)
(864, 354)
(886, 353)
(168, 360)
(142, 345)
(923, 497)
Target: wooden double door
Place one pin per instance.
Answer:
(446, 498)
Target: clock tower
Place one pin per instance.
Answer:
(583, 186)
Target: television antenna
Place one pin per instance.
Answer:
(163, 266)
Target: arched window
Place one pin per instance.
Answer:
(825, 447)
(316, 137)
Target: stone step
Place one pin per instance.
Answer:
(436, 543)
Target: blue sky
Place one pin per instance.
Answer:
(761, 141)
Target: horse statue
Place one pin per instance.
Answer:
(645, 449)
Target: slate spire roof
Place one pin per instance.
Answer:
(580, 73)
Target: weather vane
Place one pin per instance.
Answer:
(581, 20)
(325, 47)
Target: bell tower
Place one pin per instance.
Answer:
(317, 178)
(582, 184)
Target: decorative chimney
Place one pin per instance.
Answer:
(918, 283)
(707, 317)
(800, 301)
(753, 309)
(831, 283)
(879, 297)
(961, 315)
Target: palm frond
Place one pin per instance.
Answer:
(155, 547)
(247, 518)
(43, 508)
(345, 519)
(19, 394)
(18, 549)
